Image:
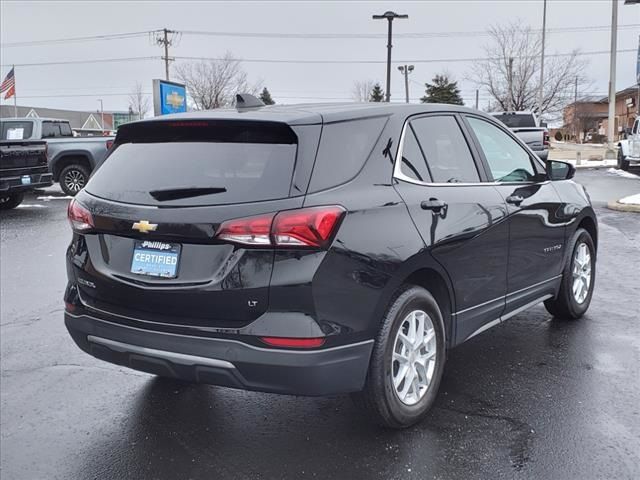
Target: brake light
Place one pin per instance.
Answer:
(305, 227)
(79, 217)
(109, 144)
(248, 231)
(546, 138)
(293, 342)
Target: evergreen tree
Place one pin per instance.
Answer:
(377, 95)
(265, 96)
(442, 90)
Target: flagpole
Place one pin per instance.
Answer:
(15, 93)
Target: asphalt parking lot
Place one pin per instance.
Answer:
(532, 398)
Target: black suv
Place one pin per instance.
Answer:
(321, 249)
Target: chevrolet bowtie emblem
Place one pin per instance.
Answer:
(143, 226)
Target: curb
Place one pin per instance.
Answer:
(623, 207)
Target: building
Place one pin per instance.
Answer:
(591, 115)
(83, 123)
(626, 111)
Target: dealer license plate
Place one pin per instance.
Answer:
(155, 259)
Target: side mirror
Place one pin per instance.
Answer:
(557, 170)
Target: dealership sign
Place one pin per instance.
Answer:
(169, 97)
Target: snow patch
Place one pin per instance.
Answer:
(34, 205)
(622, 173)
(48, 198)
(631, 199)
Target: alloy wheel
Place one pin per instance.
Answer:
(581, 273)
(414, 357)
(74, 180)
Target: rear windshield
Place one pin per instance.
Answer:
(56, 130)
(16, 130)
(515, 120)
(188, 172)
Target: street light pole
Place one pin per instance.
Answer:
(101, 114)
(406, 70)
(610, 154)
(389, 16)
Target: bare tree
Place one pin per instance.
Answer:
(517, 87)
(361, 90)
(139, 103)
(214, 83)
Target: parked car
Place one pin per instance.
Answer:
(23, 167)
(71, 159)
(321, 249)
(629, 148)
(526, 126)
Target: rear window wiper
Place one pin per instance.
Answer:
(179, 193)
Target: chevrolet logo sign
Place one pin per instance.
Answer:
(143, 226)
(174, 99)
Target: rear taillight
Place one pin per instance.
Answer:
(307, 227)
(109, 144)
(546, 138)
(249, 231)
(293, 342)
(79, 217)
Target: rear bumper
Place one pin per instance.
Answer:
(633, 160)
(16, 183)
(223, 362)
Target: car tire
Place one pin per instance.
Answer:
(73, 178)
(569, 305)
(623, 163)
(11, 201)
(380, 398)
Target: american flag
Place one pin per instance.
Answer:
(8, 85)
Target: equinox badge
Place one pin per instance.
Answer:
(143, 226)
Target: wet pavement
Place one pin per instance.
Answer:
(531, 398)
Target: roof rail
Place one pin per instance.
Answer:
(246, 100)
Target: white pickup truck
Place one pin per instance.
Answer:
(629, 149)
(526, 126)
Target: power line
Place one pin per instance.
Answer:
(399, 35)
(435, 60)
(77, 62)
(298, 61)
(111, 36)
(127, 35)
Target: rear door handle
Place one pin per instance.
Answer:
(433, 204)
(515, 199)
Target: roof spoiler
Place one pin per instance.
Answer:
(246, 100)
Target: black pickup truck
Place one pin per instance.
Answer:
(23, 167)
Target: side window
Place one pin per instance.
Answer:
(65, 130)
(448, 156)
(344, 147)
(413, 164)
(635, 127)
(50, 130)
(507, 160)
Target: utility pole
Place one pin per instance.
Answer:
(165, 41)
(575, 110)
(544, 31)
(389, 16)
(611, 154)
(510, 80)
(477, 98)
(101, 115)
(406, 70)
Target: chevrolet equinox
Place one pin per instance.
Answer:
(321, 249)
